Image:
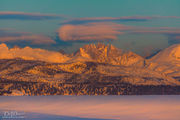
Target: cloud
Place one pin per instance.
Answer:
(172, 33)
(106, 19)
(116, 19)
(177, 37)
(167, 31)
(91, 31)
(13, 36)
(109, 31)
(28, 53)
(28, 16)
(33, 39)
(174, 39)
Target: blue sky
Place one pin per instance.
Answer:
(69, 24)
(95, 8)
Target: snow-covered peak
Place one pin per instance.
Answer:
(170, 54)
(29, 53)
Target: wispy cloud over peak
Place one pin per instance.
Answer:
(116, 19)
(28, 16)
(101, 31)
(91, 31)
(8, 35)
(33, 39)
(177, 37)
(106, 19)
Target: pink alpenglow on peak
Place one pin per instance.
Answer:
(170, 54)
(109, 54)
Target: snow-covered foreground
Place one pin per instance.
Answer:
(102, 107)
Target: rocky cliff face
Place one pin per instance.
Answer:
(93, 70)
(109, 54)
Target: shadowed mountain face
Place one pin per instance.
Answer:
(93, 70)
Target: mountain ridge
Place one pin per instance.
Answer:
(93, 70)
(109, 54)
(171, 53)
(93, 52)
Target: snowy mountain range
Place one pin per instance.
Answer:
(93, 69)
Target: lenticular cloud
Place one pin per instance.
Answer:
(91, 31)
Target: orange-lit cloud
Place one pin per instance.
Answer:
(32, 39)
(11, 32)
(91, 31)
(28, 16)
(108, 31)
(8, 35)
(177, 37)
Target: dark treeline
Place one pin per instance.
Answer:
(45, 88)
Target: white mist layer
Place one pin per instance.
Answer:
(102, 107)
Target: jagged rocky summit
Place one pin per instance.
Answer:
(108, 54)
(92, 70)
